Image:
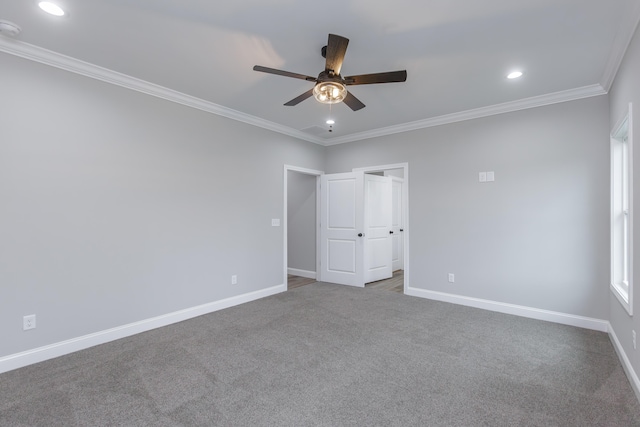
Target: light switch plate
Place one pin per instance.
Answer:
(482, 177)
(491, 176)
(275, 222)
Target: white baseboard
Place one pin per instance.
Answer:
(19, 360)
(626, 363)
(302, 273)
(518, 310)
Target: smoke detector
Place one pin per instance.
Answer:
(9, 28)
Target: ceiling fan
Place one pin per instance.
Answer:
(331, 87)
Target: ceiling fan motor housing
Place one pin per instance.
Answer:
(330, 77)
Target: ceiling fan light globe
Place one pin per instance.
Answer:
(329, 92)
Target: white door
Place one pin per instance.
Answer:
(397, 224)
(377, 226)
(341, 228)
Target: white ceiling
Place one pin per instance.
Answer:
(456, 53)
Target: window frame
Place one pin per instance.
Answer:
(621, 140)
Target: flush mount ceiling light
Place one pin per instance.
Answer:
(8, 28)
(330, 122)
(514, 75)
(51, 8)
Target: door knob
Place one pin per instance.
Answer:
(360, 234)
(402, 229)
(391, 232)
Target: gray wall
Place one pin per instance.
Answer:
(625, 89)
(301, 217)
(118, 206)
(538, 236)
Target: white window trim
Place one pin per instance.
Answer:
(623, 289)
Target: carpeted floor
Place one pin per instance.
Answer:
(329, 355)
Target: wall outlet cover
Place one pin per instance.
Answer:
(29, 322)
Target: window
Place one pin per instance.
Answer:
(621, 212)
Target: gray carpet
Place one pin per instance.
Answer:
(329, 355)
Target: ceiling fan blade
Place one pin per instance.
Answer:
(352, 102)
(367, 79)
(297, 100)
(283, 73)
(336, 49)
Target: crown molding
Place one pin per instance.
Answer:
(73, 65)
(63, 62)
(492, 110)
(620, 45)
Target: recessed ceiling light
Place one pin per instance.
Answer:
(51, 8)
(514, 75)
(330, 122)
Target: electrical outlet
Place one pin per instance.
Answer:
(482, 177)
(452, 278)
(633, 337)
(234, 280)
(29, 322)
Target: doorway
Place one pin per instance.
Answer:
(300, 223)
(352, 244)
(399, 173)
(401, 249)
